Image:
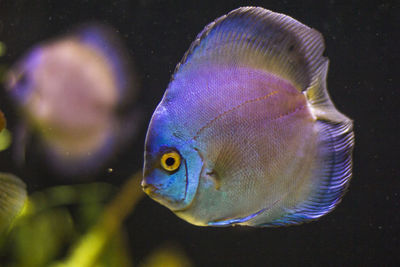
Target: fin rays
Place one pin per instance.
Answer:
(264, 39)
(334, 176)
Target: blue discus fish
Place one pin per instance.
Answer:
(246, 133)
(71, 91)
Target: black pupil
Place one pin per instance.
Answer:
(170, 161)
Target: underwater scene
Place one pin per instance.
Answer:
(215, 133)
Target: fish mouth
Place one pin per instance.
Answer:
(149, 189)
(174, 205)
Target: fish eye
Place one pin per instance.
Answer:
(170, 161)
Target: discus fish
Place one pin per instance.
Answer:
(246, 133)
(70, 91)
(12, 199)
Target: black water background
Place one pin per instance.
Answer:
(362, 42)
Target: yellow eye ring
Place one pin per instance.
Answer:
(170, 161)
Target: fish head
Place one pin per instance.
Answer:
(172, 166)
(60, 74)
(20, 79)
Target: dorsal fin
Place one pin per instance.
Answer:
(256, 37)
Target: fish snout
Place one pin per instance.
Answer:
(148, 188)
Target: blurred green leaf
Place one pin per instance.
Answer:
(71, 195)
(5, 139)
(51, 222)
(116, 252)
(3, 71)
(2, 49)
(167, 255)
(88, 251)
(38, 239)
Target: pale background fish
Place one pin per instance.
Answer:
(361, 40)
(71, 91)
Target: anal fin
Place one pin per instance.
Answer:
(235, 220)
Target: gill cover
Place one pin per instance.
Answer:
(173, 186)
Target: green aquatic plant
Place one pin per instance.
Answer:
(167, 255)
(87, 251)
(5, 139)
(5, 135)
(71, 225)
(41, 236)
(12, 200)
(51, 221)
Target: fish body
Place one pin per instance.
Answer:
(70, 90)
(246, 132)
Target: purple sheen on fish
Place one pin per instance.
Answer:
(246, 133)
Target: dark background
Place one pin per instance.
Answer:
(362, 42)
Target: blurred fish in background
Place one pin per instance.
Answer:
(76, 96)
